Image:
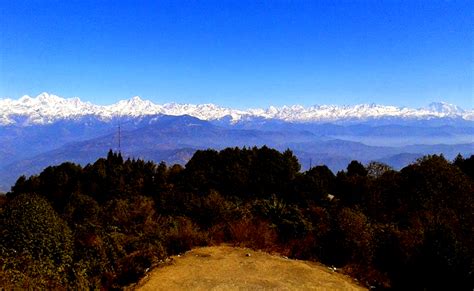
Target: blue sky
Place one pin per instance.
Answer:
(240, 53)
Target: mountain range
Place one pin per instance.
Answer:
(47, 108)
(46, 130)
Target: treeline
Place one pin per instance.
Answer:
(105, 224)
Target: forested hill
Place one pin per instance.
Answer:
(105, 224)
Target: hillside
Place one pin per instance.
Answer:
(228, 268)
(174, 139)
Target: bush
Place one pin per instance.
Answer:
(134, 265)
(357, 233)
(253, 233)
(35, 242)
(132, 239)
(181, 234)
(210, 210)
(288, 219)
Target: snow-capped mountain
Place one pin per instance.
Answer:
(47, 108)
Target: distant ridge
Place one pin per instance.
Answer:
(48, 108)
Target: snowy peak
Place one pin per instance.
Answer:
(47, 98)
(445, 108)
(135, 102)
(47, 108)
(44, 108)
(134, 106)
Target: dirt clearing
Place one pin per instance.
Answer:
(229, 268)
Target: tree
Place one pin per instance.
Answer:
(314, 185)
(466, 165)
(377, 169)
(355, 168)
(57, 183)
(201, 171)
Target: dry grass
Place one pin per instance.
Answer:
(229, 268)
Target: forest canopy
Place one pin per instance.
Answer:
(105, 224)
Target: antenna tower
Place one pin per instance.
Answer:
(119, 138)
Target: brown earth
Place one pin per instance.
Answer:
(229, 268)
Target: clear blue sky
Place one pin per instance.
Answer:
(240, 53)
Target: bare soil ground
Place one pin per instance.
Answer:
(230, 268)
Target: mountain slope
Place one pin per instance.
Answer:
(174, 139)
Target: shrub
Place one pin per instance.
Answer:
(36, 242)
(253, 233)
(288, 219)
(134, 265)
(357, 233)
(181, 234)
(210, 210)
